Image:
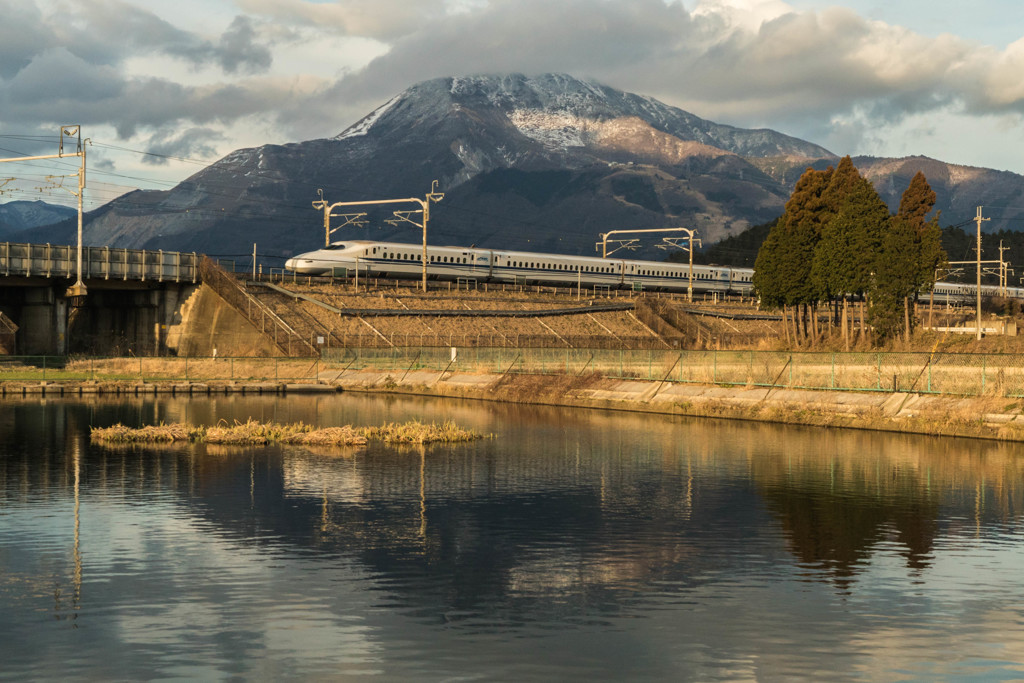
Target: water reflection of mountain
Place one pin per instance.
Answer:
(554, 508)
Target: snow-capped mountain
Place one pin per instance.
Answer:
(542, 163)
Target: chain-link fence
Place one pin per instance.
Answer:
(158, 369)
(941, 373)
(945, 373)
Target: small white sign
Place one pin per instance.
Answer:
(320, 340)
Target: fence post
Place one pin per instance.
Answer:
(832, 382)
(714, 366)
(984, 367)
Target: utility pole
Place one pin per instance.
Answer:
(350, 218)
(979, 220)
(399, 215)
(77, 292)
(669, 241)
(1003, 269)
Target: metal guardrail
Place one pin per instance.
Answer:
(58, 260)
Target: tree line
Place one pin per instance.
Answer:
(837, 243)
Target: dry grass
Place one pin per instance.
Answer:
(258, 433)
(149, 434)
(418, 432)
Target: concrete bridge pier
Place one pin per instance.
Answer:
(43, 321)
(127, 321)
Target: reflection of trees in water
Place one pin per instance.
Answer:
(843, 493)
(839, 533)
(559, 509)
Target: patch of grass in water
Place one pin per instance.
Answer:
(251, 432)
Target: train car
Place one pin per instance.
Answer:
(397, 260)
(961, 291)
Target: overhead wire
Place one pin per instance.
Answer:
(118, 191)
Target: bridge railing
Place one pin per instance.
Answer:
(60, 260)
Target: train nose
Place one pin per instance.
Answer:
(290, 264)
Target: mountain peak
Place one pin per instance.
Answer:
(568, 106)
(539, 163)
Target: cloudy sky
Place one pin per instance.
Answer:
(195, 79)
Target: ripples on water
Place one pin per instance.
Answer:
(576, 544)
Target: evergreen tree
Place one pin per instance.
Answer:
(896, 277)
(801, 226)
(766, 280)
(850, 240)
(915, 205)
(910, 252)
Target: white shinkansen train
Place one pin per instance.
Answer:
(394, 260)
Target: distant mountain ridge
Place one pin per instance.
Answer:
(542, 163)
(18, 215)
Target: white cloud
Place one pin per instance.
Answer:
(747, 15)
(856, 78)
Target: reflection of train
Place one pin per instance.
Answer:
(395, 260)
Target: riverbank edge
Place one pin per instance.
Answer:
(980, 417)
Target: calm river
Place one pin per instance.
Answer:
(574, 545)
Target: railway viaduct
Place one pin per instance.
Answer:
(138, 302)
